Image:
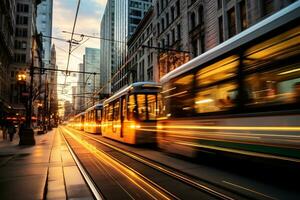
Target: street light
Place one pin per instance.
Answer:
(26, 132)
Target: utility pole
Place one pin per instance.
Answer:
(45, 104)
(94, 88)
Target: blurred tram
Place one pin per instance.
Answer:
(130, 110)
(93, 117)
(78, 121)
(243, 96)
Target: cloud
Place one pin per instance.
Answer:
(88, 22)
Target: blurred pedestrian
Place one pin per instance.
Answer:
(11, 131)
(4, 130)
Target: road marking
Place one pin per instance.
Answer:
(253, 191)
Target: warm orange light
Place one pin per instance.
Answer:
(135, 126)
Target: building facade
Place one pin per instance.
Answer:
(53, 101)
(67, 109)
(7, 28)
(194, 26)
(119, 22)
(107, 47)
(44, 26)
(92, 81)
(27, 52)
(80, 98)
(140, 53)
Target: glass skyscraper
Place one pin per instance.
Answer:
(92, 64)
(119, 22)
(44, 26)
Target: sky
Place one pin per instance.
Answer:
(88, 22)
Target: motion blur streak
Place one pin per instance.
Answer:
(246, 128)
(129, 173)
(155, 166)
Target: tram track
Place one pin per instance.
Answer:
(192, 182)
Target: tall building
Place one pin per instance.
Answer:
(27, 52)
(140, 52)
(107, 47)
(53, 105)
(80, 100)
(121, 18)
(7, 28)
(91, 64)
(67, 109)
(44, 26)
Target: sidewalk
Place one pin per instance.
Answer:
(44, 171)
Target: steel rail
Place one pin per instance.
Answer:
(160, 189)
(182, 178)
(97, 194)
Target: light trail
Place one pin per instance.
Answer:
(164, 170)
(128, 172)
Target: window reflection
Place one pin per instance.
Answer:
(152, 110)
(179, 97)
(141, 101)
(217, 98)
(274, 87)
(131, 108)
(282, 46)
(218, 71)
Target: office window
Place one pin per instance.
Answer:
(178, 8)
(231, 22)
(172, 13)
(200, 15)
(22, 8)
(178, 32)
(267, 7)
(221, 32)
(22, 20)
(173, 36)
(193, 20)
(167, 19)
(243, 17)
(219, 4)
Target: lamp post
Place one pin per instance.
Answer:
(26, 132)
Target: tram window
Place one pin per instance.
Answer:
(104, 113)
(116, 110)
(141, 101)
(277, 86)
(131, 108)
(124, 108)
(221, 70)
(152, 109)
(110, 112)
(99, 115)
(217, 98)
(179, 97)
(280, 47)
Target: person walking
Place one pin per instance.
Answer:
(11, 131)
(4, 130)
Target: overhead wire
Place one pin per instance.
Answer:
(72, 35)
